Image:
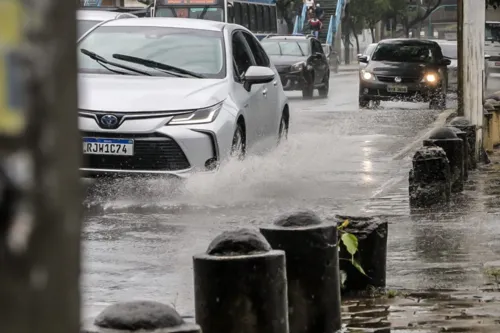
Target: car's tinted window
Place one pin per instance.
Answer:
(400, 52)
(199, 51)
(259, 54)
(241, 57)
(289, 48)
(84, 25)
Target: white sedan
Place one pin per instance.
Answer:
(173, 96)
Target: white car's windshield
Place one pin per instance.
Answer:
(197, 51)
(286, 48)
(84, 25)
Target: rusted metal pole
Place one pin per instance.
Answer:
(473, 13)
(40, 240)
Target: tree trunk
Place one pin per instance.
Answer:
(356, 38)
(40, 246)
(372, 31)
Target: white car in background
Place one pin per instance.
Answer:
(450, 51)
(86, 19)
(172, 96)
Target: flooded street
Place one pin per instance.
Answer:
(140, 236)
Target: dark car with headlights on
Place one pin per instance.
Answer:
(301, 63)
(404, 69)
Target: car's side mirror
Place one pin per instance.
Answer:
(446, 62)
(257, 75)
(487, 56)
(363, 58)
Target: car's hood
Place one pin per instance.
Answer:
(398, 68)
(286, 60)
(127, 93)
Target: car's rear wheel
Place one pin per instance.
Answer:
(323, 91)
(238, 144)
(283, 131)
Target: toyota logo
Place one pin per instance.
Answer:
(397, 79)
(109, 121)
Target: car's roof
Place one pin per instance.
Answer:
(407, 41)
(291, 37)
(172, 22)
(96, 15)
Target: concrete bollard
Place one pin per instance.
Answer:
(429, 180)
(465, 125)
(312, 269)
(240, 285)
(465, 148)
(140, 316)
(445, 138)
(371, 233)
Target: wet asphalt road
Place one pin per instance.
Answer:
(139, 237)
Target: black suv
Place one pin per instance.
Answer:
(301, 63)
(404, 69)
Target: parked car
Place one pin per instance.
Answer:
(301, 63)
(450, 51)
(86, 19)
(367, 52)
(175, 96)
(332, 56)
(404, 69)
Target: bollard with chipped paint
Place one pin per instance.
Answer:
(465, 125)
(429, 179)
(446, 138)
(240, 285)
(465, 148)
(312, 268)
(140, 317)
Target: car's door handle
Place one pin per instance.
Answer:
(275, 83)
(264, 92)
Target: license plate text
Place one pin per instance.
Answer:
(101, 146)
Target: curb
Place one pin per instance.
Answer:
(442, 119)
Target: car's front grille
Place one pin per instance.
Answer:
(387, 78)
(151, 152)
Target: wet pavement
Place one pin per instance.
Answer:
(139, 237)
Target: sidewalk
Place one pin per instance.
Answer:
(353, 67)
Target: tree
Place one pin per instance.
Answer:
(409, 14)
(367, 13)
(493, 3)
(287, 10)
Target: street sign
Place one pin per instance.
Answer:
(12, 116)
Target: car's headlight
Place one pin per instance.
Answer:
(367, 75)
(298, 66)
(430, 77)
(200, 116)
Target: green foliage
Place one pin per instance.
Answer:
(368, 12)
(351, 244)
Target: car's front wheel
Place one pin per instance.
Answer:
(238, 144)
(364, 103)
(323, 91)
(438, 102)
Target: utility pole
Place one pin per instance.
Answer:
(472, 66)
(460, 49)
(40, 148)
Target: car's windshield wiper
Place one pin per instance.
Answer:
(101, 61)
(172, 70)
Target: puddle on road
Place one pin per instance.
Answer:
(424, 312)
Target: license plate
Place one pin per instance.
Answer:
(397, 89)
(100, 146)
(497, 63)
